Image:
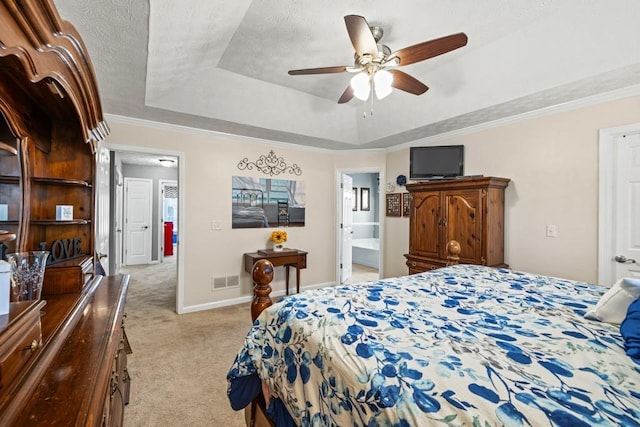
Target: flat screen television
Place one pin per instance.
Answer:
(444, 161)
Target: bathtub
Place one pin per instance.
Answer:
(366, 252)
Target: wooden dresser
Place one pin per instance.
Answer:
(62, 359)
(468, 210)
(76, 374)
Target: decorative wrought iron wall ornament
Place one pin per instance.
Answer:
(270, 164)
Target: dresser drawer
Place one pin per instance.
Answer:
(420, 266)
(20, 341)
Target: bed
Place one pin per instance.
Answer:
(247, 209)
(461, 345)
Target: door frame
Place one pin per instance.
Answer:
(103, 207)
(180, 155)
(162, 183)
(341, 228)
(117, 210)
(606, 199)
(381, 215)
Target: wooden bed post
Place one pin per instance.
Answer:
(262, 275)
(453, 252)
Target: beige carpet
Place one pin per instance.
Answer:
(362, 273)
(179, 363)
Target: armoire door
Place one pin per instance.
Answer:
(426, 224)
(463, 223)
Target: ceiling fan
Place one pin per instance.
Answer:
(373, 59)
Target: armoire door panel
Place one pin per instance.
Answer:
(463, 223)
(426, 220)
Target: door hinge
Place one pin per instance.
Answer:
(340, 266)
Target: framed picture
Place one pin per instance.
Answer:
(354, 199)
(406, 204)
(364, 199)
(394, 204)
(254, 202)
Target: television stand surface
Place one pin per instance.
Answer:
(468, 176)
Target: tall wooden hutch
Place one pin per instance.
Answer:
(62, 359)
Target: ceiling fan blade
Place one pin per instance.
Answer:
(322, 70)
(346, 95)
(360, 35)
(405, 82)
(429, 49)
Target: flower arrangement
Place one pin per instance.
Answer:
(278, 236)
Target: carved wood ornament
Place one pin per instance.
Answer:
(50, 53)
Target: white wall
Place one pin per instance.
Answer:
(553, 164)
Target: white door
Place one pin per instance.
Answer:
(102, 189)
(627, 206)
(138, 205)
(346, 228)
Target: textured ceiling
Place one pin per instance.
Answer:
(222, 65)
(147, 159)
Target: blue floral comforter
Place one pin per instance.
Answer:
(463, 345)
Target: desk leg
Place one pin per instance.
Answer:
(286, 275)
(298, 279)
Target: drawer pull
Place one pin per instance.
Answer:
(33, 347)
(413, 264)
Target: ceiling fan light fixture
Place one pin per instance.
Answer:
(382, 81)
(371, 57)
(360, 86)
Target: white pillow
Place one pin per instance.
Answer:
(613, 305)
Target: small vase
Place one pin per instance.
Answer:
(278, 247)
(27, 274)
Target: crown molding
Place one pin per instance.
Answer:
(197, 131)
(542, 112)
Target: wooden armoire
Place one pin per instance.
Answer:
(62, 358)
(468, 210)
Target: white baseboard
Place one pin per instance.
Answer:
(247, 298)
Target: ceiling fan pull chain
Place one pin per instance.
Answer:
(371, 96)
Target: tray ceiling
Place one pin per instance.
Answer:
(222, 65)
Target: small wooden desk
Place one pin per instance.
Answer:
(287, 258)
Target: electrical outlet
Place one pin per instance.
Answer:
(215, 225)
(552, 231)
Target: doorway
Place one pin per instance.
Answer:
(168, 205)
(159, 167)
(619, 201)
(360, 213)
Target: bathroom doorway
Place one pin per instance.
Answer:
(365, 222)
